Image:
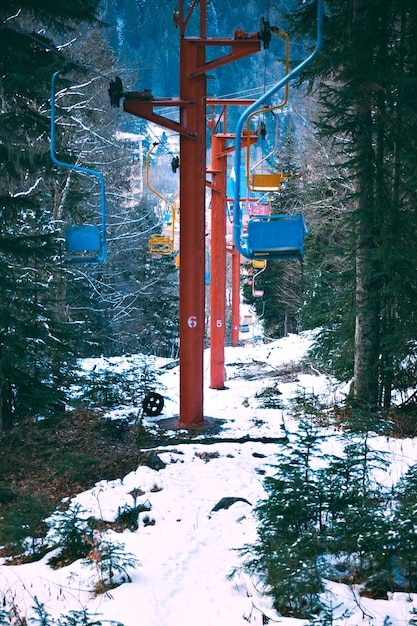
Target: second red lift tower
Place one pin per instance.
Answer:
(192, 129)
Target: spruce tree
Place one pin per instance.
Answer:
(286, 556)
(34, 349)
(366, 98)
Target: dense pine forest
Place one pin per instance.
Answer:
(345, 137)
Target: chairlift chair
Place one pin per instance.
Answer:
(261, 266)
(274, 236)
(260, 177)
(83, 238)
(84, 243)
(159, 243)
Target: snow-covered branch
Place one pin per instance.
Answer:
(19, 194)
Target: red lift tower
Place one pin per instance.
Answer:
(191, 127)
(222, 144)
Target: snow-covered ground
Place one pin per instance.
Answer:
(185, 556)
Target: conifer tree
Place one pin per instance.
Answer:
(34, 348)
(286, 554)
(366, 97)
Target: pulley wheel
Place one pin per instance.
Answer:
(265, 32)
(153, 403)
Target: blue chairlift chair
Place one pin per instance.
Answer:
(84, 243)
(274, 236)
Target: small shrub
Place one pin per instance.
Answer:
(318, 509)
(73, 534)
(42, 617)
(128, 515)
(270, 398)
(111, 563)
(23, 529)
(4, 617)
(271, 403)
(13, 615)
(83, 618)
(109, 388)
(73, 465)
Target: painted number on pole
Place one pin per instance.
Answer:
(219, 323)
(192, 321)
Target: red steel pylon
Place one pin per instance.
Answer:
(192, 130)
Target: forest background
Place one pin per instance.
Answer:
(346, 139)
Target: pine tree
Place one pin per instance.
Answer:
(404, 531)
(366, 95)
(34, 349)
(356, 520)
(286, 556)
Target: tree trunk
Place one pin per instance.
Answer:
(366, 340)
(365, 386)
(6, 408)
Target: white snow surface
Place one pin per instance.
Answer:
(185, 558)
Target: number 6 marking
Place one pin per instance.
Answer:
(192, 321)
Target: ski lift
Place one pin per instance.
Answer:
(159, 243)
(260, 177)
(261, 266)
(274, 236)
(84, 243)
